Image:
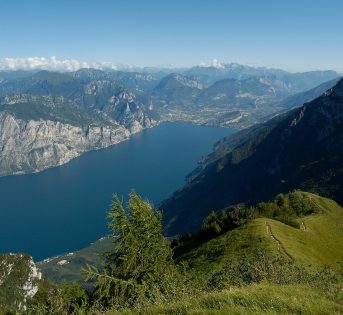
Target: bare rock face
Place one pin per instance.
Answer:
(47, 119)
(19, 280)
(33, 145)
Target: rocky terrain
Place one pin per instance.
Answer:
(19, 279)
(48, 118)
(34, 145)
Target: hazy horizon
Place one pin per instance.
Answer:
(294, 36)
(67, 65)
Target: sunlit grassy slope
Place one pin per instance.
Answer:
(318, 241)
(320, 238)
(254, 299)
(218, 268)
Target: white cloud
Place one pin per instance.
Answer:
(55, 64)
(213, 63)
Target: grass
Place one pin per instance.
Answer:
(319, 241)
(262, 267)
(269, 249)
(255, 299)
(206, 259)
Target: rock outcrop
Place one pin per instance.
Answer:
(34, 145)
(19, 280)
(52, 119)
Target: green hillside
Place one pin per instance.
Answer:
(298, 150)
(289, 275)
(279, 257)
(255, 299)
(317, 242)
(320, 238)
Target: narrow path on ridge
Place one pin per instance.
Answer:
(280, 246)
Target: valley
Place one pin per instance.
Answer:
(171, 157)
(69, 202)
(237, 220)
(49, 118)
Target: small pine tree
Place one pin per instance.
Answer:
(140, 268)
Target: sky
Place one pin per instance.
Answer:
(293, 35)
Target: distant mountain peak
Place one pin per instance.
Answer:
(214, 63)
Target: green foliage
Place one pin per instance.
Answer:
(55, 300)
(264, 298)
(140, 268)
(240, 262)
(15, 275)
(260, 266)
(286, 208)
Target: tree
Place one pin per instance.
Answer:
(140, 268)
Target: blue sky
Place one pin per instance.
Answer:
(295, 35)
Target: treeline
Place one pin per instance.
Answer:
(286, 208)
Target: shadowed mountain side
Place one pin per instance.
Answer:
(301, 149)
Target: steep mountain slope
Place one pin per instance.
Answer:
(215, 71)
(175, 90)
(251, 92)
(137, 82)
(29, 146)
(301, 149)
(102, 94)
(47, 119)
(42, 83)
(235, 100)
(307, 96)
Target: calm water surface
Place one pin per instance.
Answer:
(64, 209)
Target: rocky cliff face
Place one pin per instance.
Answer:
(48, 119)
(34, 145)
(19, 279)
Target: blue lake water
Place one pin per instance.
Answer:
(64, 208)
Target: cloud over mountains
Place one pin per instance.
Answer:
(55, 64)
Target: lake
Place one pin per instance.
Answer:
(64, 209)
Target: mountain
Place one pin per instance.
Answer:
(233, 100)
(5, 75)
(249, 92)
(175, 90)
(91, 109)
(47, 119)
(299, 99)
(42, 83)
(137, 82)
(216, 71)
(300, 149)
(297, 82)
